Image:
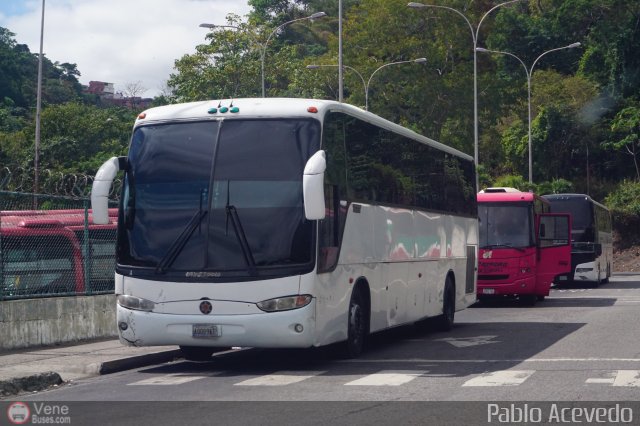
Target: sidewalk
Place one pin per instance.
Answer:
(34, 369)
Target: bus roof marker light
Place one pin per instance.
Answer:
(234, 110)
(142, 115)
(312, 109)
(212, 110)
(224, 109)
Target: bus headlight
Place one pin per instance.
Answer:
(285, 303)
(135, 303)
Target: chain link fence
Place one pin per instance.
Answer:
(50, 247)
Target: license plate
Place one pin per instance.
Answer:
(488, 291)
(205, 331)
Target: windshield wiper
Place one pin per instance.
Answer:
(242, 238)
(178, 244)
(506, 245)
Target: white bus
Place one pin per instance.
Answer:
(591, 238)
(286, 223)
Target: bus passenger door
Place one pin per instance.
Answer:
(554, 249)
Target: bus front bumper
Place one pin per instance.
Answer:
(286, 329)
(515, 288)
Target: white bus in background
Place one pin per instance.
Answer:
(286, 223)
(591, 238)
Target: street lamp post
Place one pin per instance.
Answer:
(529, 73)
(364, 83)
(264, 45)
(368, 82)
(474, 37)
(36, 158)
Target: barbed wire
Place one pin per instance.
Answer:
(20, 179)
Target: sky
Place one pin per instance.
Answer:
(117, 41)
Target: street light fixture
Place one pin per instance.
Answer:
(264, 45)
(529, 73)
(474, 37)
(368, 83)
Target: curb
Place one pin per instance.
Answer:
(34, 383)
(132, 362)
(42, 381)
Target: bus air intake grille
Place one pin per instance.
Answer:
(493, 277)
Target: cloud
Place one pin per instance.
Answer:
(120, 41)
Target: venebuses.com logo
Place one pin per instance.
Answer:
(18, 413)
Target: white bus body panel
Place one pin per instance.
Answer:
(234, 311)
(405, 257)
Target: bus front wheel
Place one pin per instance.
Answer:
(357, 325)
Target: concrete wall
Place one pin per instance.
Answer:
(48, 321)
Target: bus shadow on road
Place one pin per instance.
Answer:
(550, 302)
(578, 302)
(470, 348)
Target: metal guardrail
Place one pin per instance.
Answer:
(49, 247)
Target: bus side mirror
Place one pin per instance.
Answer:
(102, 186)
(313, 186)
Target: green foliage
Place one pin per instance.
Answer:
(585, 111)
(555, 186)
(512, 181)
(625, 198)
(625, 129)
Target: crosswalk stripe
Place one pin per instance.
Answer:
(627, 378)
(280, 378)
(387, 378)
(170, 379)
(501, 378)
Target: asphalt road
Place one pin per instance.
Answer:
(578, 345)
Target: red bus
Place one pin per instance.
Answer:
(42, 253)
(523, 247)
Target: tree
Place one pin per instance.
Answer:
(626, 134)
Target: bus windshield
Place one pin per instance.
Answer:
(505, 226)
(223, 197)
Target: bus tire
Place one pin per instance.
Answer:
(357, 329)
(608, 274)
(445, 321)
(196, 353)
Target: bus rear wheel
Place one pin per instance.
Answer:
(445, 321)
(196, 353)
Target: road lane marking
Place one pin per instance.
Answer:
(281, 378)
(387, 378)
(465, 342)
(622, 378)
(481, 361)
(597, 380)
(627, 378)
(169, 379)
(501, 378)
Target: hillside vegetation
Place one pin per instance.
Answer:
(585, 101)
